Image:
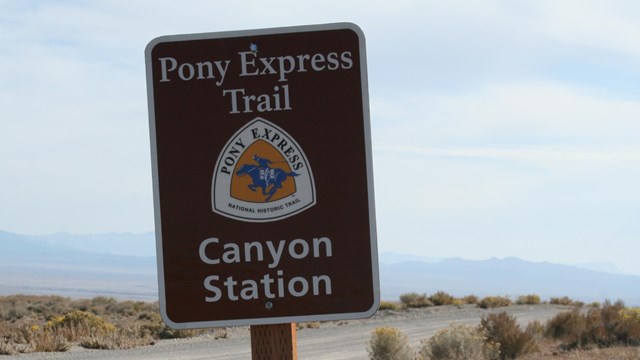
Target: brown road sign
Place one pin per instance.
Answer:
(262, 176)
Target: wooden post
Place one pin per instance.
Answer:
(274, 342)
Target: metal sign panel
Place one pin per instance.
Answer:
(262, 176)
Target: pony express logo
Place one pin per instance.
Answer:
(262, 175)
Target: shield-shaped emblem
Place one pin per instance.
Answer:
(262, 175)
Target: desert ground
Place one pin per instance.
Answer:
(336, 340)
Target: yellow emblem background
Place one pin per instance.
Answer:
(240, 184)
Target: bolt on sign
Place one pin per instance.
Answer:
(262, 176)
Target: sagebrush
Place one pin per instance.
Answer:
(608, 325)
(442, 298)
(531, 299)
(53, 324)
(388, 343)
(494, 302)
(415, 300)
(458, 342)
(503, 329)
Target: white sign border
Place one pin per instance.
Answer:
(369, 167)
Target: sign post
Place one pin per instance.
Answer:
(274, 341)
(262, 177)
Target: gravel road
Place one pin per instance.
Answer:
(340, 340)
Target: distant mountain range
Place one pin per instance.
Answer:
(123, 265)
(81, 267)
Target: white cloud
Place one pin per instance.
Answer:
(522, 113)
(609, 25)
(558, 155)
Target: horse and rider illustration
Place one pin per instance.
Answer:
(265, 177)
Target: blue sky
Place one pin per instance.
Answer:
(500, 128)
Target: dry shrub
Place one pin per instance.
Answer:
(50, 341)
(595, 304)
(458, 342)
(169, 333)
(6, 348)
(531, 299)
(308, 325)
(102, 305)
(621, 324)
(471, 300)
(132, 308)
(578, 330)
(561, 301)
(389, 305)
(388, 343)
(157, 329)
(31, 338)
(78, 324)
(536, 329)
(53, 323)
(503, 329)
(606, 326)
(441, 298)
(415, 300)
(627, 330)
(16, 307)
(566, 327)
(490, 302)
(122, 338)
(220, 334)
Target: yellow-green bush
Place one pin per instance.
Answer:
(494, 302)
(471, 300)
(458, 342)
(388, 343)
(389, 305)
(77, 324)
(531, 299)
(32, 323)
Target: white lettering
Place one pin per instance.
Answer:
(316, 284)
(275, 253)
(214, 289)
(181, 71)
(248, 289)
(244, 62)
(292, 286)
(234, 99)
(327, 247)
(232, 253)
(203, 254)
(222, 70)
(292, 249)
(163, 67)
